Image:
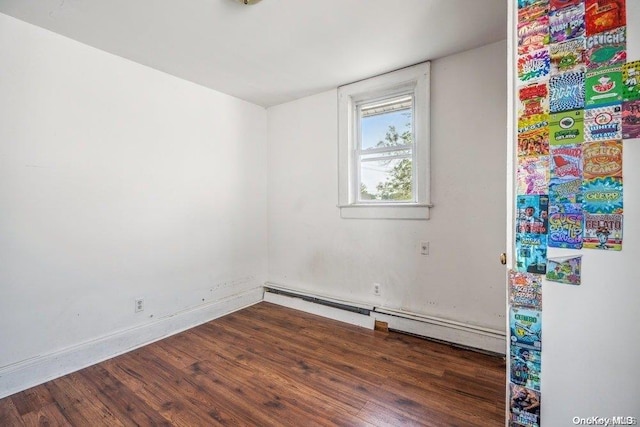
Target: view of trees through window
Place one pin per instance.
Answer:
(387, 175)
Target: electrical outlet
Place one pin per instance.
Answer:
(376, 289)
(139, 305)
(424, 248)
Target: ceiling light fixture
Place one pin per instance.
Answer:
(248, 2)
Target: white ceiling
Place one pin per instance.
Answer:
(277, 50)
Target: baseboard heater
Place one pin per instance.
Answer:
(362, 309)
(361, 314)
(440, 322)
(318, 300)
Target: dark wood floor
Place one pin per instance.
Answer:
(269, 366)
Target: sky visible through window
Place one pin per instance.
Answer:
(374, 129)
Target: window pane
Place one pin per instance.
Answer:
(386, 180)
(386, 123)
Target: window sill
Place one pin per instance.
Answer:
(385, 211)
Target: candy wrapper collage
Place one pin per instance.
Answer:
(578, 103)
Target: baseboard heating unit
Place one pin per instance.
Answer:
(365, 315)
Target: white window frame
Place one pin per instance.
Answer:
(414, 79)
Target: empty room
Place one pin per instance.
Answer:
(277, 212)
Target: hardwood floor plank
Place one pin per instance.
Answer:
(172, 353)
(367, 373)
(78, 402)
(32, 399)
(300, 349)
(281, 387)
(125, 404)
(46, 415)
(9, 415)
(378, 415)
(350, 344)
(162, 388)
(294, 363)
(270, 402)
(269, 365)
(227, 364)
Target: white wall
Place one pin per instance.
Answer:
(311, 248)
(117, 181)
(591, 333)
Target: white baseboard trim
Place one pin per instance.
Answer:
(29, 373)
(357, 319)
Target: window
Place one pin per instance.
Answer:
(384, 146)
